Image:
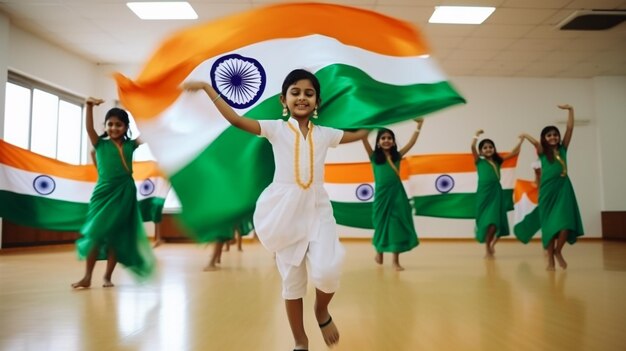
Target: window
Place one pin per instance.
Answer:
(44, 120)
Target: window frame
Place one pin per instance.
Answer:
(31, 84)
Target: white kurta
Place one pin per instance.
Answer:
(288, 217)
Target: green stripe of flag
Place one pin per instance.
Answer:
(352, 99)
(151, 209)
(52, 214)
(40, 212)
(221, 185)
(458, 205)
(353, 214)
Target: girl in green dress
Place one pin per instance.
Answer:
(491, 217)
(558, 208)
(394, 230)
(114, 230)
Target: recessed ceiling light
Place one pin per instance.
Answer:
(163, 10)
(461, 14)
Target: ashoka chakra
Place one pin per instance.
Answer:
(240, 80)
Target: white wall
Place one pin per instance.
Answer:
(503, 107)
(610, 109)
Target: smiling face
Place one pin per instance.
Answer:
(115, 128)
(550, 138)
(300, 99)
(386, 141)
(553, 138)
(487, 150)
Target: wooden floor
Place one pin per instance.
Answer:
(448, 298)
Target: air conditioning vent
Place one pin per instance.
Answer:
(593, 20)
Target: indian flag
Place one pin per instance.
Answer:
(350, 187)
(527, 220)
(445, 185)
(374, 70)
(41, 192)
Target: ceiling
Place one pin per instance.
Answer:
(520, 39)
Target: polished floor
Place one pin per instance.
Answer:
(448, 298)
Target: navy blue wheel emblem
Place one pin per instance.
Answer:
(44, 185)
(240, 80)
(364, 192)
(147, 187)
(444, 183)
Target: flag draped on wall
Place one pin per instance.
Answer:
(373, 70)
(527, 222)
(350, 187)
(41, 192)
(445, 185)
(439, 185)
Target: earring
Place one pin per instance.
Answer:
(285, 112)
(315, 113)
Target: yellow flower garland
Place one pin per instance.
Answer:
(297, 156)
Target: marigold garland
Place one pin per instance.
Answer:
(297, 156)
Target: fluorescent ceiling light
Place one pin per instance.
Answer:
(163, 10)
(461, 14)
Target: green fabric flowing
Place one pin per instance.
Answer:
(558, 207)
(394, 230)
(113, 219)
(490, 202)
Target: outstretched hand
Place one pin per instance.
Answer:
(93, 101)
(479, 132)
(565, 107)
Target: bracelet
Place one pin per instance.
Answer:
(417, 130)
(475, 137)
(217, 97)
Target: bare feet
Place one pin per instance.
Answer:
(492, 245)
(329, 332)
(107, 283)
(82, 284)
(561, 260)
(397, 266)
(211, 268)
(379, 258)
(489, 256)
(550, 263)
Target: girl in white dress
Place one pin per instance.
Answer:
(293, 216)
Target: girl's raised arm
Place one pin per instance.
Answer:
(243, 123)
(413, 139)
(533, 141)
(475, 152)
(91, 131)
(515, 150)
(350, 136)
(367, 146)
(570, 124)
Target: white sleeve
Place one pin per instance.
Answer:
(334, 136)
(269, 128)
(536, 164)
